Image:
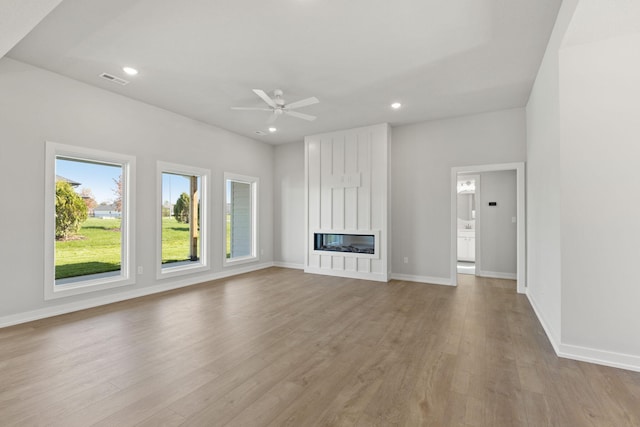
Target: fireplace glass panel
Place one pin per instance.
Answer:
(353, 243)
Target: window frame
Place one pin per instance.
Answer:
(203, 262)
(93, 282)
(254, 182)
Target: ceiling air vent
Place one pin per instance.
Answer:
(114, 79)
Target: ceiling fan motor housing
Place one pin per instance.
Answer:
(277, 94)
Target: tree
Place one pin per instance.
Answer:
(118, 192)
(71, 210)
(181, 208)
(89, 199)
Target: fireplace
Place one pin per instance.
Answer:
(346, 203)
(345, 243)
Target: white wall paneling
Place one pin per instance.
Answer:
(347, 193)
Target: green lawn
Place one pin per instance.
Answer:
(98, 248)
(98, 251)
(175, 241)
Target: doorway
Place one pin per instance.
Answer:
(467, 190)
(518, 218)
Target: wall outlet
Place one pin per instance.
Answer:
(261, 252)
(406, 260)
(140, 269)
(513, 219)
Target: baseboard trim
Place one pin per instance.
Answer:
(444, 281)
(42, 313)
(600, 357)
(289, 265)
(585, 354)
(497, 275)
(551, 334)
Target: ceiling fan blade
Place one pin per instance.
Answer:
(303, 103)
(301, 115)
(251, 108)
(273, 118)
(265, 98)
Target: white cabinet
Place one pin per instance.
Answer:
(466, 245)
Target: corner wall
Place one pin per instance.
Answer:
(543, 184)
(600, 153)
(582, 149)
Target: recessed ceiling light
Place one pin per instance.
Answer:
(272, 129)
(396, 105)
(130, 71)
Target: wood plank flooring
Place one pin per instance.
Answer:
(281, 348)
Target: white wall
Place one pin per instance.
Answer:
(289, 211)
(582, 151)
(37, 105)
(422, 156)
(498, 233)
(600, 154)
(543, 183)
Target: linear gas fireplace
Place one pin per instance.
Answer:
(345, 243)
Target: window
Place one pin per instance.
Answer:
(240, 219)
(88, 220)
(182, 225)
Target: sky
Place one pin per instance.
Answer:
(174, 185)
(96, 176)
(100, 179)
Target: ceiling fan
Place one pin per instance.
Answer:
(278, 106)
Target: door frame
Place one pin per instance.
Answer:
(521, 244)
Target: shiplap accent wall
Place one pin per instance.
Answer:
(346, 189)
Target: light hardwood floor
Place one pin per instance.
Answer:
(278, 347)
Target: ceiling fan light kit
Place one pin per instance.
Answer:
(278, 106)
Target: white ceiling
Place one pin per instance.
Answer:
(198, 58)
(18, 17)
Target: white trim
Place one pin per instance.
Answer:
(497, 275)
(254, 183)
(28, 316)
(552, 336)
(584, 354)
(203, 263)
(291, 265)
(600, 357)
(378, 277)
(94, 282)
(521, 244)
(422, 279)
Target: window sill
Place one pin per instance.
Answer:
(240, 260)
(86, 284)
(180, 269)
